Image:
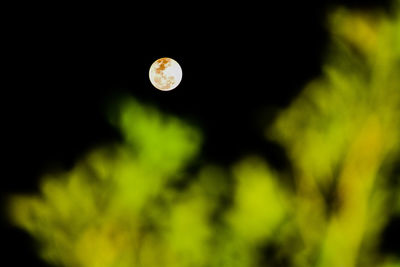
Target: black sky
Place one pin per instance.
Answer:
(62, 64)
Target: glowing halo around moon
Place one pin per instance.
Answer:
(165, 74)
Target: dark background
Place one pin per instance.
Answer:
(62, 65)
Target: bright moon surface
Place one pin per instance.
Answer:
(165, 74)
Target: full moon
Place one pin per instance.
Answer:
(165, 74)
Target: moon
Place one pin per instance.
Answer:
(165, 74)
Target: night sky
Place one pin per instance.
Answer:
(63, 65)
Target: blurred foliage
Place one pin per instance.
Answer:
(342, 135)
(136, 204)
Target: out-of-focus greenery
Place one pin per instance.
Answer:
(342, 135)
(135, 204)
